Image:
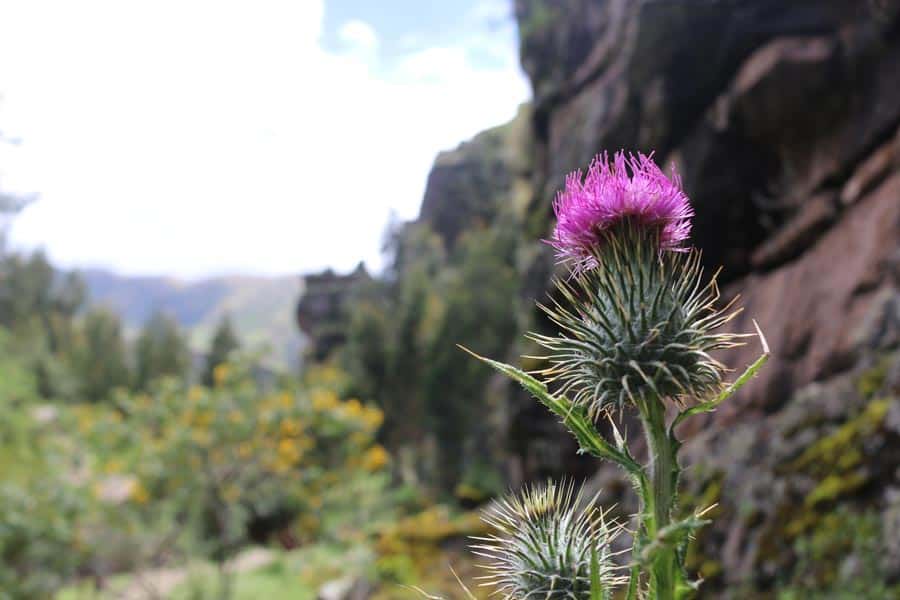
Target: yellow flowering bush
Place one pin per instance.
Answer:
(232, 458)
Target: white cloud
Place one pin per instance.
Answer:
(359, 35)
(434, 64)
(216, 136)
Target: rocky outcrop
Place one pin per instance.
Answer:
(321, 310)
(811, 472)
(470, 186)
(835, 304)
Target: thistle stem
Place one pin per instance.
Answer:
(664, 479)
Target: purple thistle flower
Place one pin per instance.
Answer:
(630, 188)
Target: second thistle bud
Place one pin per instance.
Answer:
(546, 540)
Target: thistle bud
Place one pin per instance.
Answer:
(636, 318)
(546, 539)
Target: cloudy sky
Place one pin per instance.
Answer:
(200, 137)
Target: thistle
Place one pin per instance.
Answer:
(637, 326)
(640, 324)
(548, 538)
(636, 319)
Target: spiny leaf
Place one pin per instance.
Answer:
(571, 415)
(746, 376)
(671, 536)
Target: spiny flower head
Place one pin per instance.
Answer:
(641, 326)
(631, 188)
(544, 543)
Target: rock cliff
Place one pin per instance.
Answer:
(784, 121)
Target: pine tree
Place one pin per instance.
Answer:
(224, 342)
(100, 359)
(161, 350)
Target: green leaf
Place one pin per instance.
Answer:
(573, 417)
(670, 537)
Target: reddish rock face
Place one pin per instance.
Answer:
(762, 103)
(823, 311)
(783, 120)
(782, 117)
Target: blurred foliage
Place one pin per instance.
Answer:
(113, 460)
(229, 456)
(182, 470)
(402, 344)
(38, 540)
(38, 306)
(100, 358)
(38, 506)
(76, 354)
(160, 350)
(290, 576)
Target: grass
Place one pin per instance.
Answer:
(273, 582)
(295, 575)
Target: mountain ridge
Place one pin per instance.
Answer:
(261, 307)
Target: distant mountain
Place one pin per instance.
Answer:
(261, 308)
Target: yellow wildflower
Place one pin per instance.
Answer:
(375, 458)
(203, 418)
(139, 494)
(220, 374)
(288, 451)
(324, 400)
(290, 427)
(373, 417)
(353, 407)
(286, 399)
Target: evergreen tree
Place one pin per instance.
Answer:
(100, 359)
(160, 351)
(401, 345)
(475, 311)
(38, 305)
(224, 342)
(26, 291)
